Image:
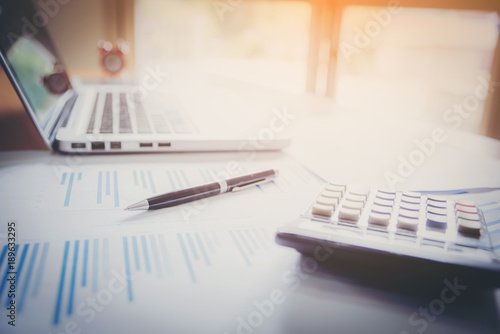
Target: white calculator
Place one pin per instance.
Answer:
(365, 220)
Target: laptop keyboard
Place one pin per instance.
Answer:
(168, 121)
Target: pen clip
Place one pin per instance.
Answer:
(251, 184)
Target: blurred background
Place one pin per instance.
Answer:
(394, 58)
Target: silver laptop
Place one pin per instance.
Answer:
(110, 118)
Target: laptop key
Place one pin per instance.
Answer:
(107, 115)
(90, 127)
(141, 118)
(160, 125)
(125, 124)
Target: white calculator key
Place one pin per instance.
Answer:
(349, 214)
(331, 194)
(468, 216)
(383, 202)
(322, 210)
(331, 187)
(359, 190)
(469, 226)
(353, 205)
(381, 209)
(379, 218)
(408, 223)
(355, 198)
(327, 201)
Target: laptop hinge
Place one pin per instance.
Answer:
(63, 118)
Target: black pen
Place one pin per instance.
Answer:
(207, 190)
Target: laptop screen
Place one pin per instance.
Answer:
(31, 57)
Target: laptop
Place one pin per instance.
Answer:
(106, 118)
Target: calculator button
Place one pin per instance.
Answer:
(436, 204)
(359, 190)
(331, 194)
(381, 209)
(411, 200)
(466, 203)
(383, 195)
(343, 186)
(437, 211)
(383, 202)
(322, 210)
(379, 218)
(409, 213)
(468, 216)
(408, 223)
(327, 201)
(436, 198)
(410, 206)
(355, 198)
(466, 209)
(349, 214)
(353, 205)
(436, 221)
(411, 194)
(469, 227)
(335, 188)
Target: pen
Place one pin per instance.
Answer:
(207, 190)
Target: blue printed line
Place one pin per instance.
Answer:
(2, 257)
(85, 261)
(79, 176)
(136, 181)
(259, 238)
(105, 257)
(153, 189)
(108, 184)
(155, 255)
(63, 179)
(486, 204)
(136, 253)
(61, 283)
(237, 243)
(191, 245)
(493, 222)
(178, 179)
(495, 231)
(258, 186)
(186, 181)
(24, 289)
(496, 247)
(171, 180)
(165, 254)
(202, 248)
(4, 281)
(252, 240)
(146, 255)
(95, 262)
(115, 177)
(99, 188)
(73, 278)
(143, 179)
(19, 270)
(208, 241)
(41, 267)
(186, 258)
(127, 268)
(70, 187)
(245, 243)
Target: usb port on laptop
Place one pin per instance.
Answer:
(98, 145)
(146, 144)
(115, 145)
(164, 145)
(78, 145)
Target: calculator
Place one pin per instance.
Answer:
(359, 220)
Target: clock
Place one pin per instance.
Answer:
(113, 57)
